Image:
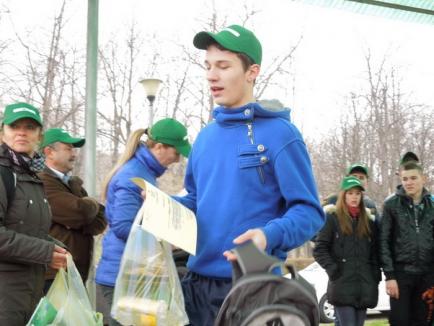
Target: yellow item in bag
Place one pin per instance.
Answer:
(147, 320)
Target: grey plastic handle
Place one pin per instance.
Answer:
(252, 260)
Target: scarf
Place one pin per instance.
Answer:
(354, 211)
(31, 165)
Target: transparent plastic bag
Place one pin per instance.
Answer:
(148, 291)
(96, 256)
(69, 297)
(44, 314)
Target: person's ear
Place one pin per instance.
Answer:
(253, 72)
(46, 150)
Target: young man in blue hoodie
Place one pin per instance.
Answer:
(249, 176)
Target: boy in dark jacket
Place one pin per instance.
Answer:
(407, 246)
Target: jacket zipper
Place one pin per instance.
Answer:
(416, 224)
(416, 217)
(252, 141)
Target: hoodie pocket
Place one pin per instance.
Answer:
(253, 156)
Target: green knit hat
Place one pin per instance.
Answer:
(234, 38)
(351, 182)
(21, 110)
(55, 135)
(171, 132)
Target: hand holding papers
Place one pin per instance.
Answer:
(167, 219)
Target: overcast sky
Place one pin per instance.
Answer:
(329, 62)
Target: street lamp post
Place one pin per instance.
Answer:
(151, 86)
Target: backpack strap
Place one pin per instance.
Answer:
(252, 260)
(9, 182)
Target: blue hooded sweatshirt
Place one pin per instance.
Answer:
(249, 169)
(123, 203)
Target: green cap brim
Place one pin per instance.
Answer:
(203, 39)
(21, 115)
(354, 186)
(184, 149)
(76, 142)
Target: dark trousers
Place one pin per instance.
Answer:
(350, 316)
(203, 297)
(47, 286)
(410, 309)
(107, 298)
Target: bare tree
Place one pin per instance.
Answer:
(381, 123)
(52, 77)
(4, 43)
(118, 84)
(4, 88)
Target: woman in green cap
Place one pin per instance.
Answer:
(25, 218)
(346, 248)
(167, 140)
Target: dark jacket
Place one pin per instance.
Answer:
(351, 263)
(407, 237)
(25, 248)
(76, 218)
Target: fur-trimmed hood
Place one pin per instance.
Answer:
(331, 209)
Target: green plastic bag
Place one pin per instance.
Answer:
(44, 314)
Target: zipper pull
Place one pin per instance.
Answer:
(250, 132)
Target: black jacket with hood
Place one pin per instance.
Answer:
(407, 235)
(350, 262)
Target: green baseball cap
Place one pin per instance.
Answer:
(234, 38)
(407, 157)
(171, 132)
(21, 110)
(55, 135)
(351, 182)
(357, 167)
